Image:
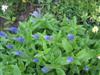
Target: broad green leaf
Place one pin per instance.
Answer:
(85, 55)
(67, 46)
(61, 61)
(1, 71)
(60, 71)
(22, 67)
(1, 47)
(16, 70)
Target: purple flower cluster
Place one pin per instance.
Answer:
(20, 39)
(86, 68)
(48, 37)
(36, 60)
(18, 53)
(70, 59)
(9, 46)
(70, 36)
(45, 69)
(35, 36)
(13, 29)
(3, 34)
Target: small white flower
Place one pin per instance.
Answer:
(95, 29)
(98, 57)
(35, 14)
(4, 8)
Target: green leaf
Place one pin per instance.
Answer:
(22, 67)
(60, 71)
(85, 55)
(61, 60)
(1, 47)
(1, 71)
(66, 45)
(16, 70)
(74, 21)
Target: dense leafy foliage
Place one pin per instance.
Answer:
(49, 37)
(46, 46)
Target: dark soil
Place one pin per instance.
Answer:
(22, 16)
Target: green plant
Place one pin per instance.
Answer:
(45, 46)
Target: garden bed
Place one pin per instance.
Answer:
(50, 39)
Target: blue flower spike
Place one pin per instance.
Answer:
(35, 36)
(20, 39)
(45, 69)
(9, 46)
(48, 37)
(70, 37)
(86, 68)
(35, 60)
(18, 53)
(13, 29)
(3, 34)
(70, 59)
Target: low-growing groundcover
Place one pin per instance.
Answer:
(45, 46)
